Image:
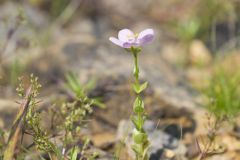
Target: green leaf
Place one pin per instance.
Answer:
(136, 88)
(74, 85)
(139, 137)
(137, 149)
(138, 105)
(136, 123)
(57, 152)
(98, 103)
(139, 88)
(74, 153)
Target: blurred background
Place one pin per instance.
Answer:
(192, 66)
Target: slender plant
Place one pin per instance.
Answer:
(28, 122)
(133, 43)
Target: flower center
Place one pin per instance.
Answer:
(132, 37)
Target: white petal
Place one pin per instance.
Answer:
(125, 34)
(116, 41)
(146, 36)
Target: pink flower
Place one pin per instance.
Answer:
(127, 39)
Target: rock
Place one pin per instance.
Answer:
(169, 55)
(231, 143)
(198, 77)
(221, 157)
(102, 155)
(103, 139)
(162, 144)
(230, 61)
(199, 53)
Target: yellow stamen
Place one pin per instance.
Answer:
(133, 36)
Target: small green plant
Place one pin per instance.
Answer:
(80, 91)
(73, 115)
(223, 93)
(28, 121)
(188, 30)
(33, 126)
(209, 146)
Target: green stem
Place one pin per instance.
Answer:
(136, 69)
(136, 75)
(140, 155)
(139, 119)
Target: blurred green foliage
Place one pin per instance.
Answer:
(81, 91)
(74, 153)
(223, 93)
(12, 72)
(215, 10)
(57, 6)
(53, 7)
(2, 142)
(15, 70)
(188, 29)
(201, 23)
